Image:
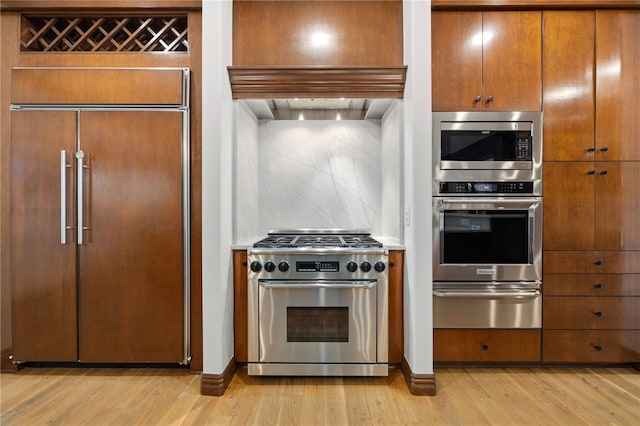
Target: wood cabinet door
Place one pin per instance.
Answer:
(617, 85)
(568, 93)
(396, 306)
(512, 61)
(131, 260)
(480, 56)
(43, 270)
(569, 206)
(617, 205)
(456, 61)
(240, 307)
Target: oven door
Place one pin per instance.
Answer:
(482, 239)
(317, 321)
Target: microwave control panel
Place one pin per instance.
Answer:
(523, 146)
(486, 187)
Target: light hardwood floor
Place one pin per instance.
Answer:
(465, 396)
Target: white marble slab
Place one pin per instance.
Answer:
(320, 174)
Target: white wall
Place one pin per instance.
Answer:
(217, 173)
(417, 173)
(247, 183)
(392, 177)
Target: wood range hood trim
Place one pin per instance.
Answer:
(266, 82)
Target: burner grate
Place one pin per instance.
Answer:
(317, 241)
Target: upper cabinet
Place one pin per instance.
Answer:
(486, 61)
(591, 129)
(617, 85)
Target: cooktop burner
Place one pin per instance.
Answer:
(317, 240)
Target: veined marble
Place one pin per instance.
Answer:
(320, 174)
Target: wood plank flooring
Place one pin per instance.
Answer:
(465, 396)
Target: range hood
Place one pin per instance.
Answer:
(318, 109)
(287, 82)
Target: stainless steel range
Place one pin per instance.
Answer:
(318, 304)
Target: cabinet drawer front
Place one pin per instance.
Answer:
(590, 346)
(607, 262)
(591, 284)
(591, 312)
(482, 345)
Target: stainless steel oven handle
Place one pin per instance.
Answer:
(317, 284)
(485, 294)
(529, 203)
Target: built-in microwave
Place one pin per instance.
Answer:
(487, 147)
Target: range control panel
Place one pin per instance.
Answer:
(486, 187)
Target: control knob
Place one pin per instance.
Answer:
(352, 266)
(379, 266)
(283, 266)
(255, 266)
(269, 266)
(365, 266)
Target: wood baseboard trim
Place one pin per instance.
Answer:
(419, 384)
(217, 384)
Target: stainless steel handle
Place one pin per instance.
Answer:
(80, 158)
(526, 202)
(317, 284)
(520, 294)
(63, 197)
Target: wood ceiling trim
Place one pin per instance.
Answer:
(28, 5)
(532, 4)
(327, 82)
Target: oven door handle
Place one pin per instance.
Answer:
(458, 203)
(521, 294)
(317, 284)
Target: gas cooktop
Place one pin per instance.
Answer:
(317, 239)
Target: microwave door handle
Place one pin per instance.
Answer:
(521, 294)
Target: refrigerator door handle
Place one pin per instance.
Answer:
(63, 197)
(80, 158)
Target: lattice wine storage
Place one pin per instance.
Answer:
(104, 34)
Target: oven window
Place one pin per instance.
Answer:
(467, 145)
(486, 236)
(317, 324)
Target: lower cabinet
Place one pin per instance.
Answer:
(591, 346)
(591, 317)
(486, 345)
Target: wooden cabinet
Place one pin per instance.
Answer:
(590, 150)
(591, 306)
(396, 306)
(118, 295)
(240, 308)
(591, 205)
(486, 61)
(486, 345)
(591, 197)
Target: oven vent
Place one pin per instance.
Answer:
(104, 34)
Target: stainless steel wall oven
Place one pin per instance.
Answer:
(487, 220)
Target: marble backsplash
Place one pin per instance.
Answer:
(319, 174)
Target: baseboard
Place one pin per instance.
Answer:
(217, 384)
(419, 384)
